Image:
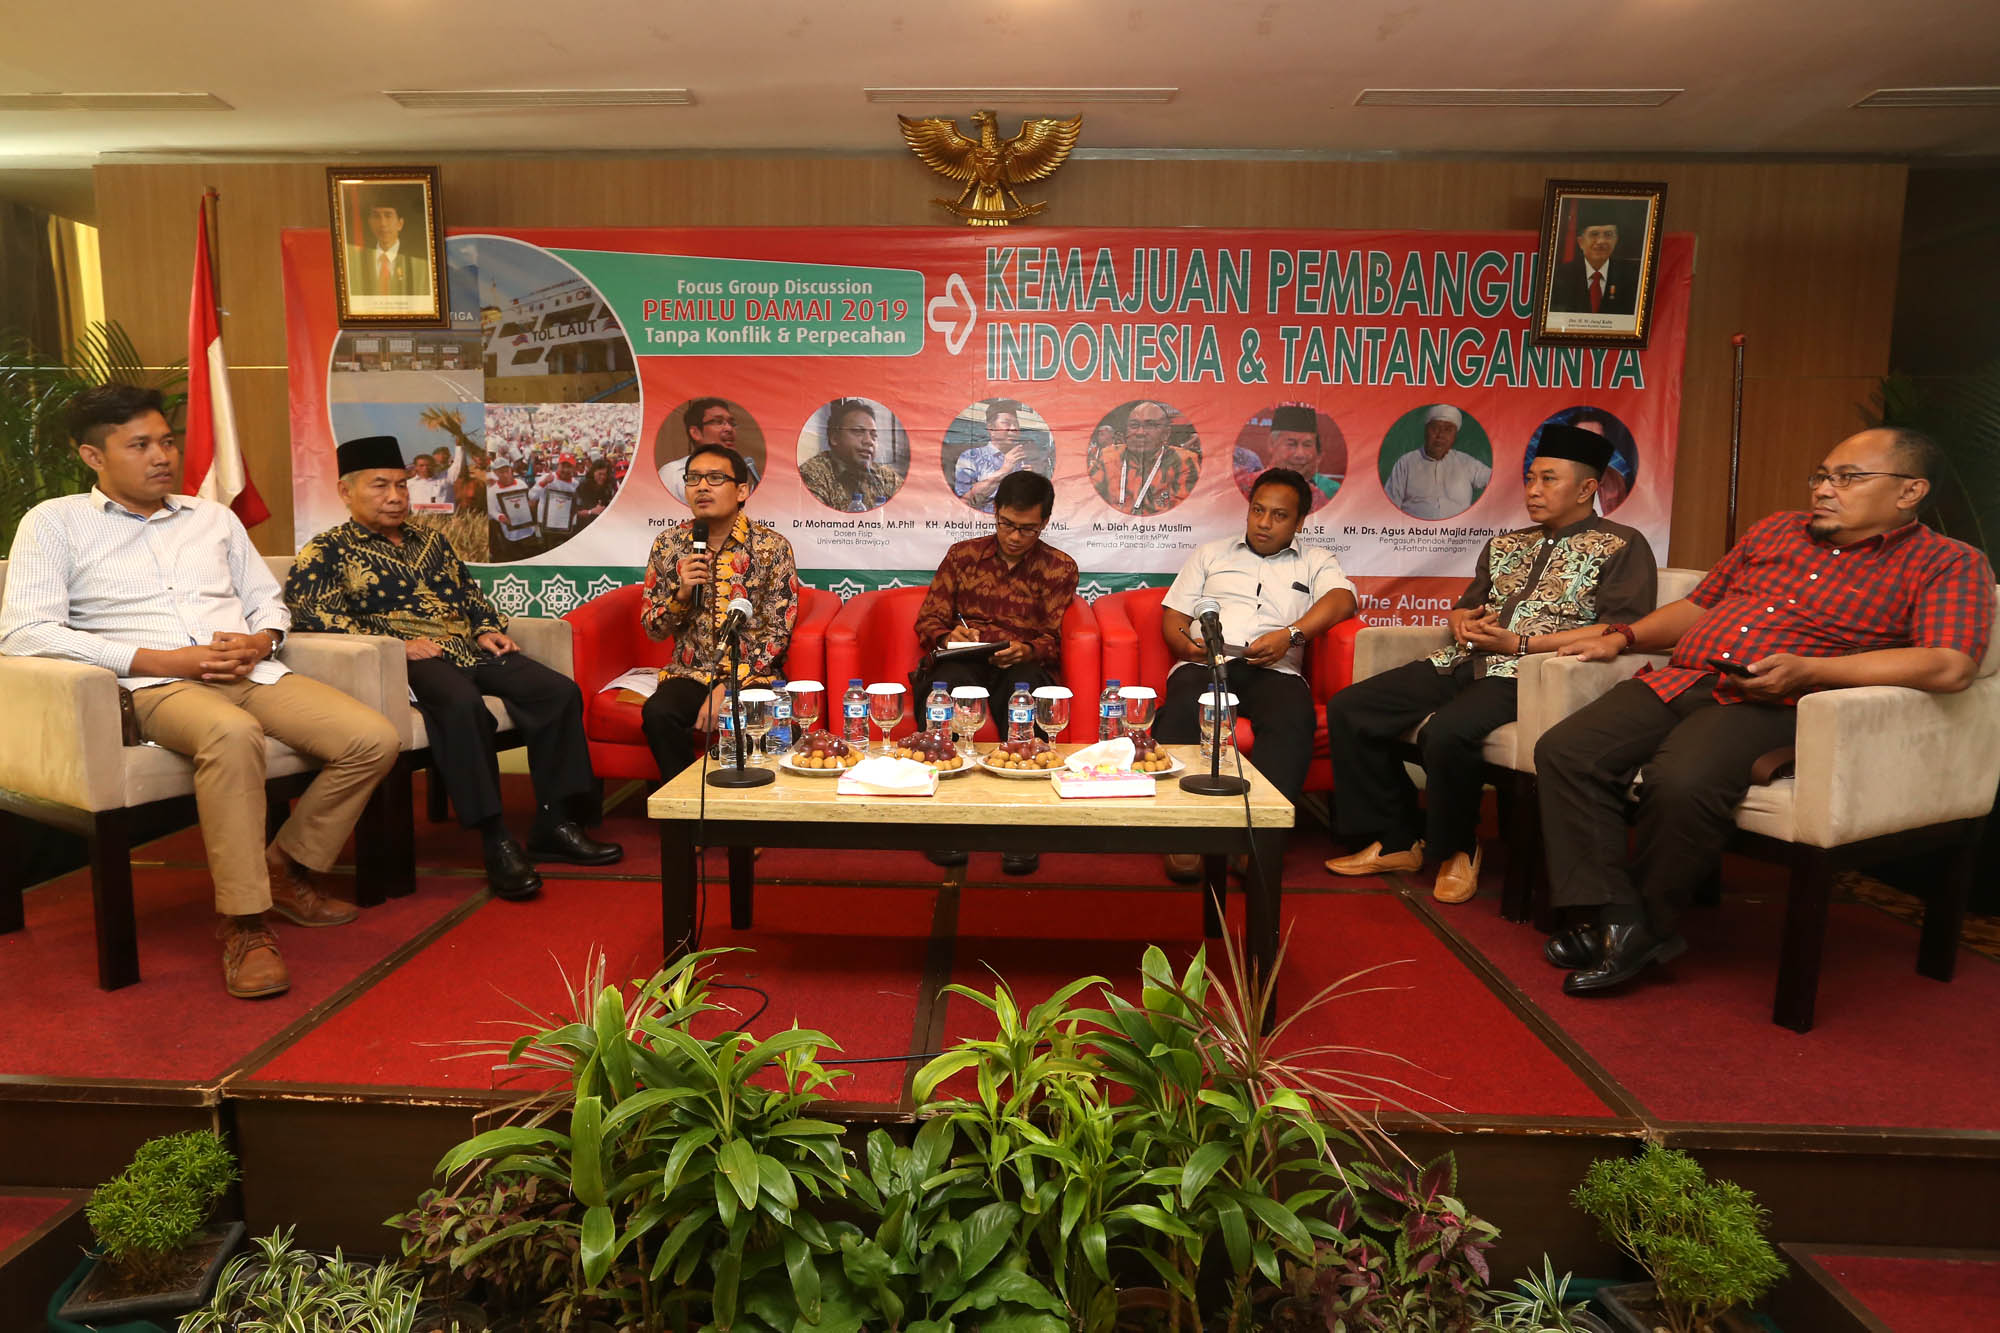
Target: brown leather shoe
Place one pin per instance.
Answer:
(1458, 877)
(251, 965)
(1372, 860)
(1183, 867)
(297, 899)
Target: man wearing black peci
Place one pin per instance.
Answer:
(377, 574)
(1533, 589)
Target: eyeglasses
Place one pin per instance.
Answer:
(1840, 481)
(1020, 529)
(1145, 424)
(710, 479)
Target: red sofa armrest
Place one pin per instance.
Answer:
(1082, 664)
(606, 636)
(1330, 664)
(805, 657)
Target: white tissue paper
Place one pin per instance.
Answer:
(1115, 754)
(889, 777)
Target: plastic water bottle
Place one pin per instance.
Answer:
(938, 708)
(1110, 713)
(1020, 713)
(854, 715)
(778, 740)
(722, 741)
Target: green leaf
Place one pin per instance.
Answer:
(1006, 1284)
(805, 1276)
(1159, 1219)
(586, 1136)
(866, 1264)
(726, 1202)
(738, 1161)
(1095, 1249)
(940, 1069)
(1281, 1221)
(728, 1276)
(641, 1103)
(791, 1039)
(686, 1146)
(776, 1181)
(614, 1044)
(1235, 1233)
(1201, 1167)
(596, 1249)
(499, 1143)
(688, 1226)
(986, 1234)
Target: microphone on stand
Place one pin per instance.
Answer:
(1208, 614)
(739, 615)
(698, 533)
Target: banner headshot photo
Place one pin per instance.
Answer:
(853, 455)
(1145, 457)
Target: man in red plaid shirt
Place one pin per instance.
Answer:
(1855, 592)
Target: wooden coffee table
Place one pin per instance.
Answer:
(978, 812)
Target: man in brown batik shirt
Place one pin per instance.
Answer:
(1011, 589)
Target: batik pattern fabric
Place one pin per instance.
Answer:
(1022, 603)
(752, 562)
(349, 580)
(1536, 582)
(1144, 485)
(850, 490)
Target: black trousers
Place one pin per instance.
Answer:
(1696, 755)
(545, 706)
(1278, 704)
(997, 681)
(1373, 797)
(668, 721)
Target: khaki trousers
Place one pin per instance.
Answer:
(221, 726)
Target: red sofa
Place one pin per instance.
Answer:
(1128, 623)
(874, 637)
(609, 642)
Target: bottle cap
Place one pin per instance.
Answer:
(854, 684)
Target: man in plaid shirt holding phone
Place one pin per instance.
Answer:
(1853, 592)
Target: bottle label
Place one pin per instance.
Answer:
(855, 711)
(1021, 716)
(728, 719)
(1112, 710)
(940, 716)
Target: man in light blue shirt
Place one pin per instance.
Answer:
(166, 592)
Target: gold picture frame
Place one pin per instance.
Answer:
(387, 271)
(1600, 257)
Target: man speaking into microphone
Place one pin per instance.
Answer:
(696, 571)
(1270, 595)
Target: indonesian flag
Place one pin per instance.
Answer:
(212, 459)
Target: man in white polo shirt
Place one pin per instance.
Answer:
(1274, 594)
(1438, 480)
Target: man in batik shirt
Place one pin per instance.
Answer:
(688, 595)
(1534, 589)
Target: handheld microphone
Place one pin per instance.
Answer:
(739, 615)
(698, 534)
(1208, 614)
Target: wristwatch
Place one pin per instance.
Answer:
(1298, 636)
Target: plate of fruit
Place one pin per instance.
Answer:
(1148, 757)
(935, 748)
(1021, 759)
(821, 754)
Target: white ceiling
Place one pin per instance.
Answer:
(1762, 76)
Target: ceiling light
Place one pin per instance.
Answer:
(1895, 98)
(1010, 96)
(112, 102)
(535, 99)
(1548, 97)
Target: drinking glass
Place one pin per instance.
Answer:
(757, 722)
(1218, 724)
(968, 715)
(885, 710)
(806, 696)
(1141, 702)
(1052, 710)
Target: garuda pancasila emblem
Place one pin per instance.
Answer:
(989, 165)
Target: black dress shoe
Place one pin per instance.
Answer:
(1020, 863)
(946, 858)
(568, 842)
(509, 872)
(1628, 951)
(1575, 948)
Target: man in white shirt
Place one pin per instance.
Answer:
(430, 487)
(167, 592)
(513, 522)
(1275, 595)
(1437, 481)
(555, 499)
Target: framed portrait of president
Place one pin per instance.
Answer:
(1600, 256)
(388, 246)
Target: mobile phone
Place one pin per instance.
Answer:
(1728, 668)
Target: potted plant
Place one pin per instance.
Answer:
(1540, 1303)
(498, 1237)
(272, 1289)
(153, 1254)
(1700, 1241)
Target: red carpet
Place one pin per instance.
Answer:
(177, 1024)
(846, 961)
(1695, 1042)
(22, 1213)
(1473, 1055)
(1912, 1295)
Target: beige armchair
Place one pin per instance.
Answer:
(65, 765)
(1877, 772)
(1510, 749)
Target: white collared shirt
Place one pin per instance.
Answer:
(91, 581)
(1426, 487)
(1258, 593)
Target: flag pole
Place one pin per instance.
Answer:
(1735, 439)
(211, 202)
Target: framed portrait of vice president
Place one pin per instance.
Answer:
(388, 246)
(1600, 255)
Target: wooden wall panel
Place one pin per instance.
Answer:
(1800, 258)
